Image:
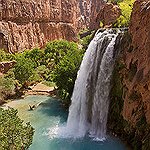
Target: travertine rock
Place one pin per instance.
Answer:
(137, 60)
(108, 14)
(5, 66)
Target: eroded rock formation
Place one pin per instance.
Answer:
(137, 61)
(5, 66)
(130, 96)
(108, 15)
(25, 24)
(88, 11)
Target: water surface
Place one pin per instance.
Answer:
(48, 118)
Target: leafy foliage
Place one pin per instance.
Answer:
(85, 41)
(7, 84)
(49, 83)
(36, 55)
(14, 135)
(43, 72)
(85, 37)
(56, 50)
(58, 62)
(23, 69)
(65, 72)
(6, 56)
(126, 9)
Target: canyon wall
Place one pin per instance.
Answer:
(94, 11)
(25, 24)
(137, 62)
(130, 96)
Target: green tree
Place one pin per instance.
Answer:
(14, 135)
(56, 50)
(43, 72)
(85, 41)
(23, 69)
(36, 55)
(40, 73)
(4, 56)
(65, 73)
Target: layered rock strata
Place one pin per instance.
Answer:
(25, 24)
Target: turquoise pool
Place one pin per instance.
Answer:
(48, 118)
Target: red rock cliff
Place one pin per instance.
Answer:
(25, 24)
(137, 61)
(129, 115)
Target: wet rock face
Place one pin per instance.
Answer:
(26, 24)
(137, 61)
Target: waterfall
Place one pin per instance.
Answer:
(90, 99)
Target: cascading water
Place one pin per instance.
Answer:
(90, 102)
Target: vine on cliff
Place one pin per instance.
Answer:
(126, 9)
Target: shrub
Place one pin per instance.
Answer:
(85, 41)
(43, 72)
(126, 9)
(65, 72)
(7, 85)
(36, 55)
(56, 50)
(4, 56)
(14, 135)
(23, 69)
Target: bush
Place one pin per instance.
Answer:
(126, 9)
(85, 37)
(2, 55)
(48, 83)
(23, 69)
(6, 56)
(65, 73)
(7, 85)
(58, 62)
(85, 41)
(43, 72)
(14, 135)
(36, 55)
(56, 50)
